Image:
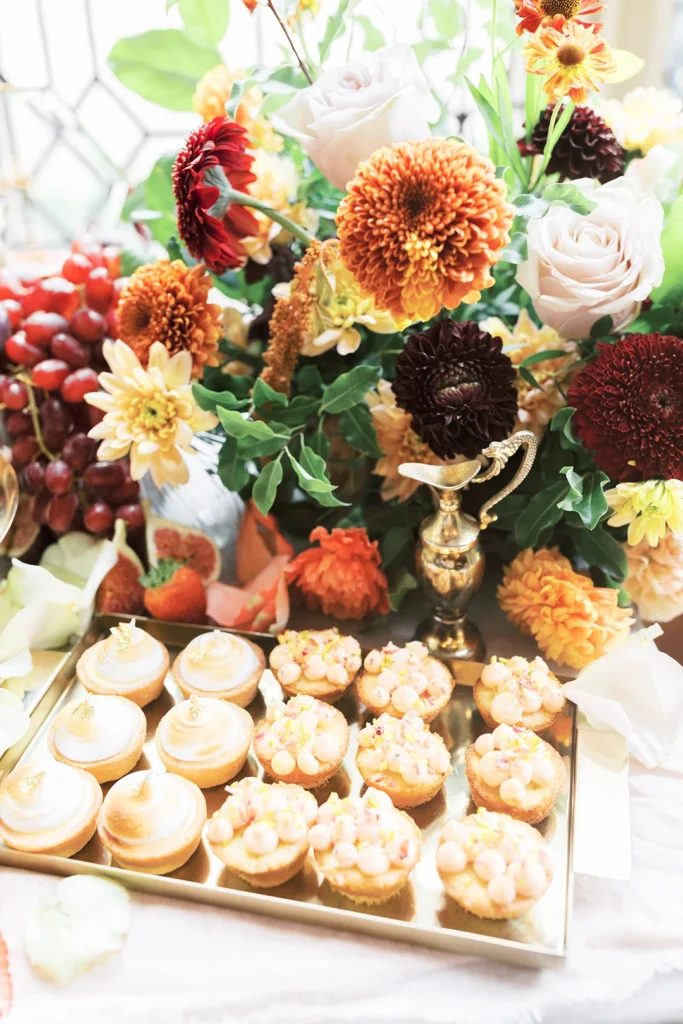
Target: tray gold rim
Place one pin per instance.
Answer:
(446, 939)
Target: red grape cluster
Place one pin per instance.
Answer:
(51, 335)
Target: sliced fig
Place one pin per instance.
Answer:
(182, 543)
(23, 531)
(121, 591)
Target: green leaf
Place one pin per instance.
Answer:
(509, 510)
(205, 20)
(586, 496)
(170, 4)
(374, 39)
(561, 424)
(406, 583)
(266, 486)
(448, 17)
(533, 103)
(542, 511)
(541, 357)
(601, 327)
(671, 288)
(530, 206)
(311, 473)
(569, 193)
(309, 381)
(163, 65)
(333, 29)
(158, 195)
(349, 389)
(232, 469)
(254, 437)
(394, 544)
(300, 411)
(319, 443)
(210, 401)
(358, 429)
(598, 547)
(263, 394)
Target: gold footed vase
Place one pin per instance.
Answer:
(451, 556)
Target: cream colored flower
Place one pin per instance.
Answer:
(537, 406)
(277, 183)
(398, 441)
(645, 118)
(212, 94)
(655, 578)
(649, 509)
(150, 413)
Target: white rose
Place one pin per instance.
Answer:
(352, 110)
(582, 268)
(659, 173)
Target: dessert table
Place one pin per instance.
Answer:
(183, 964)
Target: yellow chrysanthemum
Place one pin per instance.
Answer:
(655, 578)
(212, 94)
(277, 183)
(572, 621)
(649, 509)
(398, 441)
(574, 60)
(421, 225)
(150, 413)
(645, 118)
(537, 406)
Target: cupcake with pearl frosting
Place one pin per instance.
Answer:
(492, 865)
(261, 831)
(220, 665)
(514, 771)
(128, 663)
(152, 821)
(397, 680)
(104, 735)
(514, 691)
(303, 741)
(49, 808)
(364, 846)
(205, 740)
(318, 663)
(401, 757)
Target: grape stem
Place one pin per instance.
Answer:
(35, 419)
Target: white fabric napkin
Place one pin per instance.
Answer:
(636, 690)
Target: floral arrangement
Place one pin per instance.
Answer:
(348, 285)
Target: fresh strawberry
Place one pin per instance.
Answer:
(5, 981)
(174, 591)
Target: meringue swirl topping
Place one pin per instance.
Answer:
(202, 729)
(217, 661)
(147, 807)
(41, 798)
(96, 728)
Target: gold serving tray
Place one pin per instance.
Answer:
(421, 913)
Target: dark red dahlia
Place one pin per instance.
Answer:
(587, 147)
(213, 160)
(458, 386)
(629, 407)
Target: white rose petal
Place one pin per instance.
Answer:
(582, 268)
(353, 110)
(14, 720)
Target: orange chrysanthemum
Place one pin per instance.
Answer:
(572, 621)
(167, 302)
(655, 578)
(342, 576)
(421, 225)
(575, 60)
(534, 13)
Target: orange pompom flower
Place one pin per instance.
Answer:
(342, 576)
(575, 60)
(168, 302)
(421, 225)
(572, 621)
(534, 13)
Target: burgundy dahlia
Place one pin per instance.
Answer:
(629, 407)
(212, 159)
(458, 386)
(587, 147)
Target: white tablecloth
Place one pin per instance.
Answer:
(189, 965)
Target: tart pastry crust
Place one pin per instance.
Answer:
(397, 680)
(205, 740)
(319, 663)
(102, 735)
(220, 665)
(515, 691)
(128, 663)
(303, 741)
(402, 758)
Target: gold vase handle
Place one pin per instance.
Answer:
(499, 453)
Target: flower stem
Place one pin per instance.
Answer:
(291, 42)
(243, 199)
(494, 19)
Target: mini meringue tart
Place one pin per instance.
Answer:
(303, 741)
(102, 735)
(514, 691)
(402, 758)
(492, 865)
(397, 680)
(205, 740)
(364, 846)
(317, 662)
(515, 772)
(152, 821)
(220, 665)
(128, 663)
(49, 808)
(261, 831)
